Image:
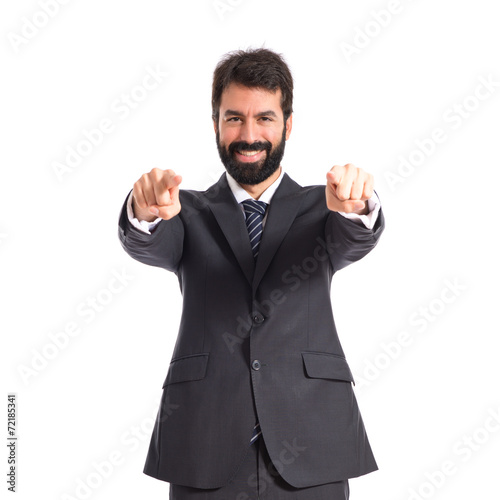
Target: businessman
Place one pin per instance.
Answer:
(258, 401)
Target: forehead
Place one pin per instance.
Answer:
(249, 99)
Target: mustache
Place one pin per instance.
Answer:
(245, 146)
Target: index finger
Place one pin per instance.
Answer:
(167, 187)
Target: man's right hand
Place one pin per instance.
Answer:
(156, 194)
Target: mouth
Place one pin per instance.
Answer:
(249, 156)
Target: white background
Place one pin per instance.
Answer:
(59, 245)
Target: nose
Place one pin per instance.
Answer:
(249, 132)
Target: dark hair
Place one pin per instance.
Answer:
(261, 68)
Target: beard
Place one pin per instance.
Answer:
(254, 172)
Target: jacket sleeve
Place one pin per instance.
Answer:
(348, 241)
(162, 248)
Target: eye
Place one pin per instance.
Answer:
(232, 119)
(266, 118)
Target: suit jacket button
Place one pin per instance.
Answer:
(258, 318)
(256, 364)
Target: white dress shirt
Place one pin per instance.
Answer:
(240, 195)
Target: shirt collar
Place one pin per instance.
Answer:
(240, 194)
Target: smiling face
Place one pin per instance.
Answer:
(251, 133)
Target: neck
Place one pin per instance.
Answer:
(256, 190)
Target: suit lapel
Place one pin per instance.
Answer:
(284, 206)
(231, 220)
(281, 213)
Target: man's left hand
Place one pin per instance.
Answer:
(348, 188)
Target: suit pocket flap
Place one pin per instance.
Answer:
(192, 367)
(326, 365)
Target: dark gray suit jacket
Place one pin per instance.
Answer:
(256, 341)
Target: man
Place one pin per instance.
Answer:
(258, 399)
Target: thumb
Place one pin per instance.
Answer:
(352, 205)
(164, 212)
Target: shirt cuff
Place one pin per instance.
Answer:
(371, 217)
(142, 225)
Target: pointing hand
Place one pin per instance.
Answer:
(348, 188)
(156, 194)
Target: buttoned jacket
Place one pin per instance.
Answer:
(257, 339)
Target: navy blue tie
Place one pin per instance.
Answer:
(254, 213)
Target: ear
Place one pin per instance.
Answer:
(215, 125)
(288, 127)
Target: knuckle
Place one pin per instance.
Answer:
(139, 202)
(352, 169)
(157, 174)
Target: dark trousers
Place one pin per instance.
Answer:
(258, 479)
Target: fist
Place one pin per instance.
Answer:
(348, 188)
(156, 194)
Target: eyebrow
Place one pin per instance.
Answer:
(232, 112)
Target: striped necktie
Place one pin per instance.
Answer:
(254, 213)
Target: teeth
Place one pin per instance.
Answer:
(248, 153)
